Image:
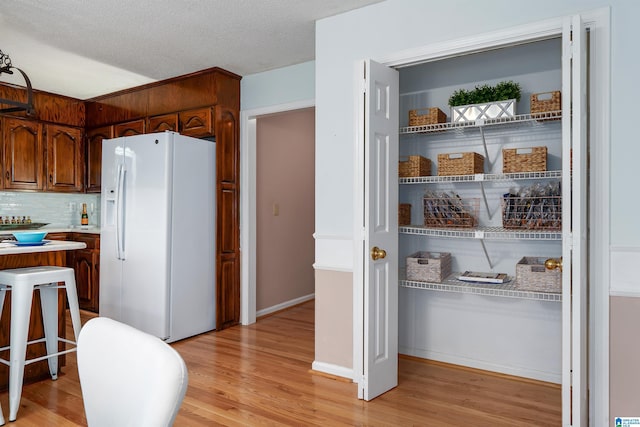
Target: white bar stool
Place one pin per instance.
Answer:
(22, 282)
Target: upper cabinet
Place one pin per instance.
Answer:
(65, 159)
(162, 123)
(197, 123)
(93, 157)
(135, 127)
(23, 159)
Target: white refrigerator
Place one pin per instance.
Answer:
(157, 238)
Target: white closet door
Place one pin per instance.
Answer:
(380, 261)
(575, 405)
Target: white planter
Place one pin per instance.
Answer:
(490, 110)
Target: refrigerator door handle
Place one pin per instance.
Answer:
(120, 212)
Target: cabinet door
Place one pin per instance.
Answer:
(162, 123)
(135, 127)
(197, 123)
(23, 155)
(93, 158)
(85, 265)
(65, 160)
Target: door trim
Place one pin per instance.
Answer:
(598, 21)
(248, 160)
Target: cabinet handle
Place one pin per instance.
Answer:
(7, 175)
(51, 178)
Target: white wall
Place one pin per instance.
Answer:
(276, 87)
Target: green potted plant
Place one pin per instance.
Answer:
(485, 102)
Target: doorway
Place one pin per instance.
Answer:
(599, 138)
(248, 200)
(285, 209)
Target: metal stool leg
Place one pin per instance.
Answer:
(21, 298)
(2, 295)
(49, 303)
(74, 308)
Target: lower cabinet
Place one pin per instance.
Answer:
(86, 263)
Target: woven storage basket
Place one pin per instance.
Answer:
(532, 275)
(460, 164)
(545, 102)
(428, 266)
(404, 214)
(532, 159)
(426, 116)
(415, 166)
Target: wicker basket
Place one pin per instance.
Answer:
(460, 164)
(545, 102)
(426, 116)
(404, 214)
(428, 266)
(533, 159)
(532, 275)
(450, 212)
(415, 166)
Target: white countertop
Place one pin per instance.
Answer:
(7, 248)
(92, 229)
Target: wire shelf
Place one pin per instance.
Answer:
(519, 120)
(488, 233)
(503, 290)
(481, 177)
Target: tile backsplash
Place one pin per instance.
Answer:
(59, 210)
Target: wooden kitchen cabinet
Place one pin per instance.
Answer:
(135, 127)
(93, 157)
(65, 159)
(23, 156)
(162, 123)
(196, 123)
(86, 263)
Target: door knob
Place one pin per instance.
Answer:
(377, 253)
(553, 263)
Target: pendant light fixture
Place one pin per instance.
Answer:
(6, 67)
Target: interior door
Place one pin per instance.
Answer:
(575, 403)
(380, 258)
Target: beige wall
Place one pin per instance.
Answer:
(285, 207)
(624, 357)
(334, 321)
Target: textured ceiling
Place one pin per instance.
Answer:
(86, 48)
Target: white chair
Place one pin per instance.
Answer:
(128, 377)
(22, 282)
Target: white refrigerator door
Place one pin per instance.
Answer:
(146, 213)
(110, 265)
(193, 238)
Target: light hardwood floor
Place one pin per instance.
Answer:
(260, 375)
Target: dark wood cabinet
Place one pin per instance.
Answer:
(196, 123)
(86, 263)
(135, 127)
(65, 159)
(23, 156)
(162, 123)
(93, 157)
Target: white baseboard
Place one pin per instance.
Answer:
(328, 368)
(285, 304)
(550, 377)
